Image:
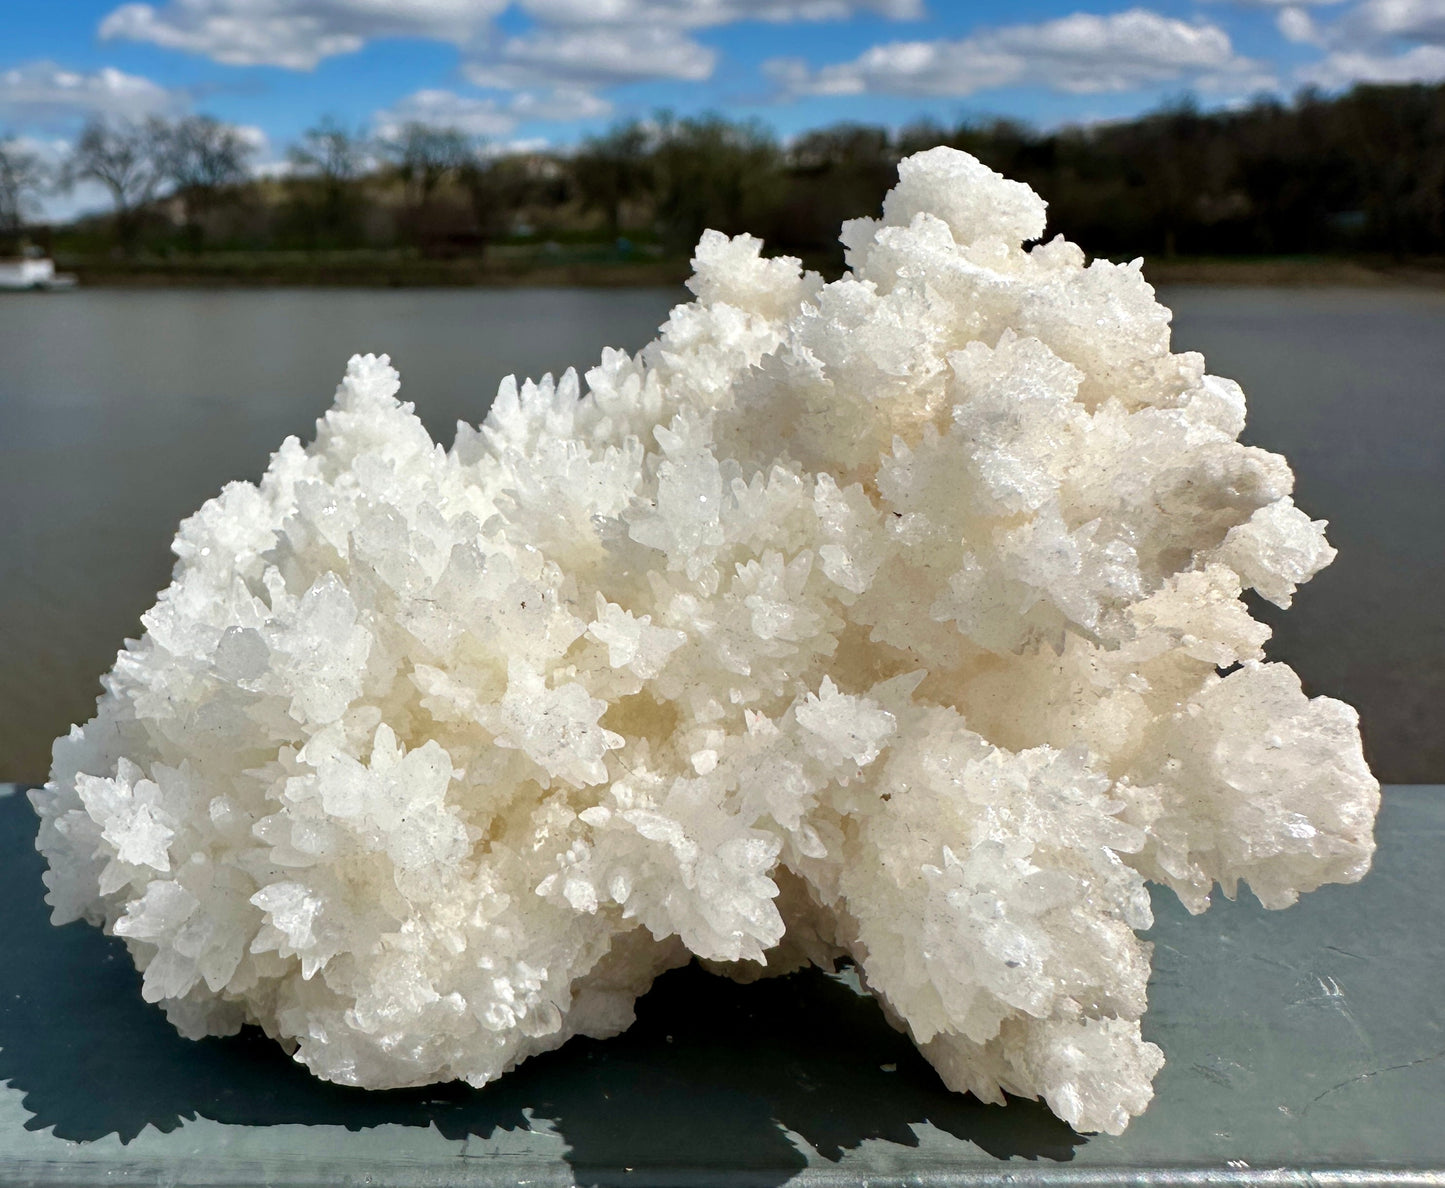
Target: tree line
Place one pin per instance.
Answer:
(1362, 172)
(197, 161)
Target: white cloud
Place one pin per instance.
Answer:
(487, 118)
(1278, 3)
(520, 146)
(1080, 54)
(1375, 41)
(51, 150)
(697, 14)
(1423, 64)
(596, 56)
(1298, 26)
(446, 109)
(1381, 21)
(44, 95)
(296, 34)
(561, 104)
(254, 138)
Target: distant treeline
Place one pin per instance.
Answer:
(1362, 172)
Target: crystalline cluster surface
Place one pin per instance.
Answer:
(884, 618)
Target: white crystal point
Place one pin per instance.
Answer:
(881, 619)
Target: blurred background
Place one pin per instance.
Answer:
(206, 206)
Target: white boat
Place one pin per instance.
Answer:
(33, 272)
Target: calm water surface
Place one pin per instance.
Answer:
(120, 412)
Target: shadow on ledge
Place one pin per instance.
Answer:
(709, 1077)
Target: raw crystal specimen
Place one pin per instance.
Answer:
(896, 618)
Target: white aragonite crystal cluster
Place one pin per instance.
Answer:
(896, 618)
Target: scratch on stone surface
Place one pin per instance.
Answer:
(1375, 1072)
(1212, 1074)
(1334, 996)
(1346, 953)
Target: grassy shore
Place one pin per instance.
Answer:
(604, 268)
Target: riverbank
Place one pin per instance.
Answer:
(570, 267)
(380, 270)
(1288, 272)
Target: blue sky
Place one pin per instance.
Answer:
(533, 71)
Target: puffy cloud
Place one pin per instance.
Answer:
(1298, 25)
(1084, 53)
(254, 138)
(592, 56)
(446, 109)
(1278, 4)
(296, 34)
(560, 104)
(489, 117)
(703, 13)
(51, 150)
(1383, 21)
(44, 95)
(1376, 41)
(1422, 64)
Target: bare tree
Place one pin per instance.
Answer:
(202, 157)
(329, 151)
(331, 159)
(22, 176)
(424, 156)
(128, 159)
